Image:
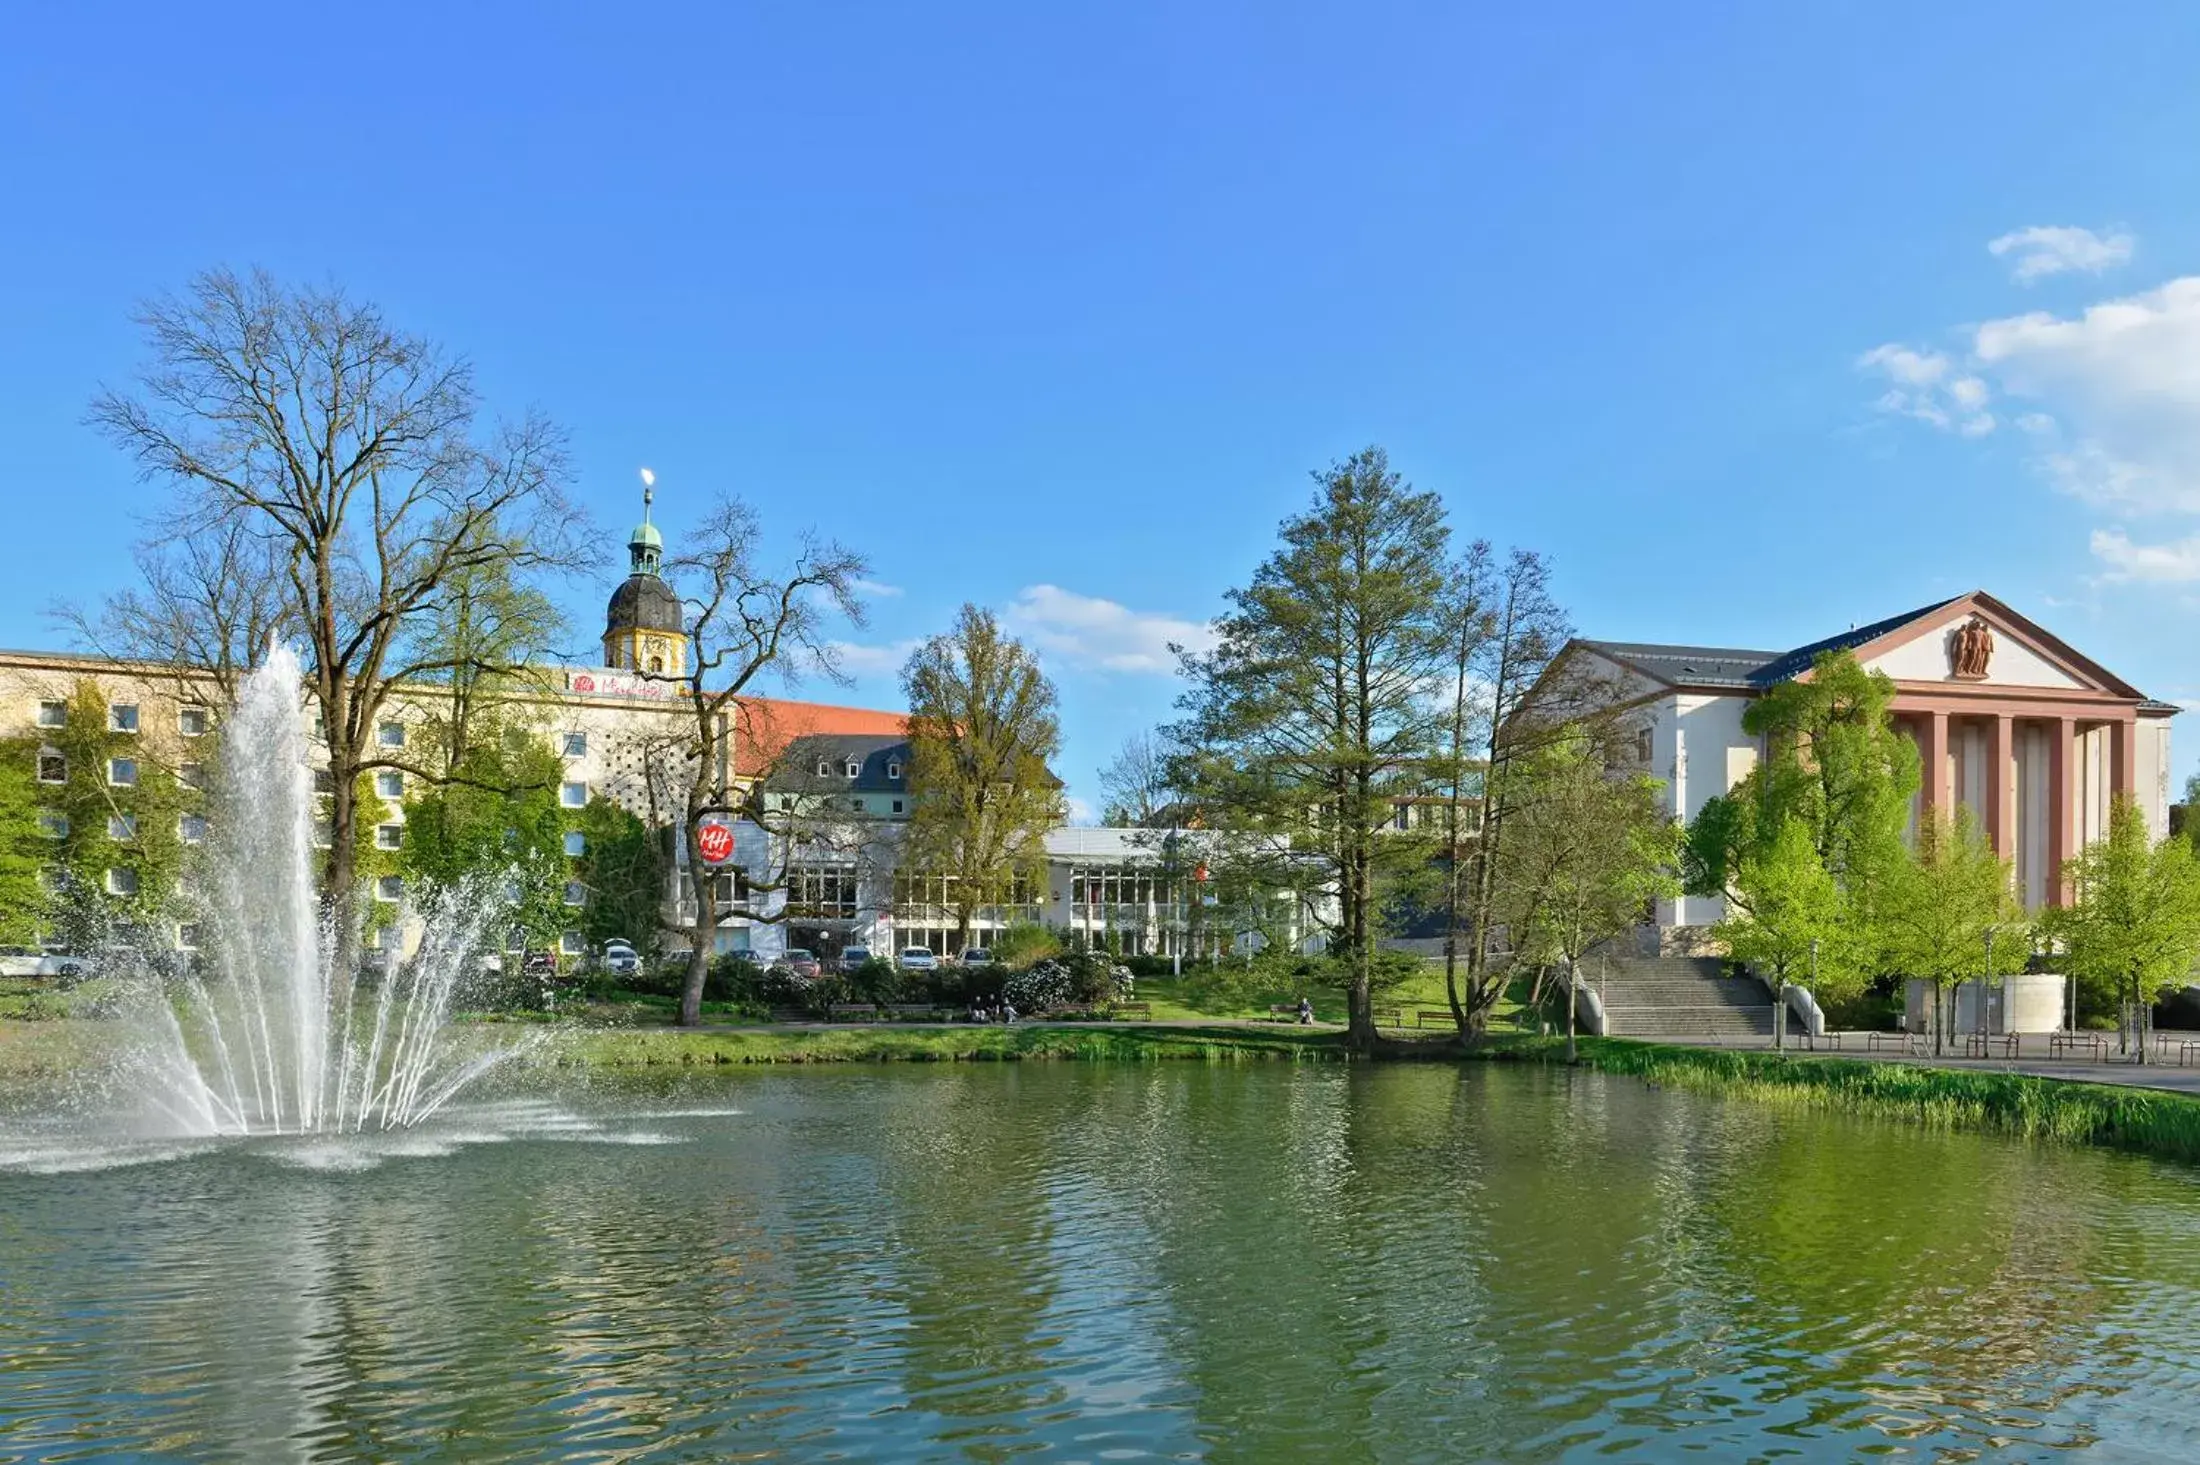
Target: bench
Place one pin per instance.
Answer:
(790, 1014)
(1905, 1042)
(1283, 1012)
(1981, 1045)
(1142, 1011)
(852, 1012)
(915, 1012)
(1434, 1017)
(1388, 1017)
(2061, 1043)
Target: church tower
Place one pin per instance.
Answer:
(643, 630)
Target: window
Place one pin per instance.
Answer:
(53, 825)
(371, 939)
(825, 892)
(192, 828)
(570, 943)
(786, 803)
(824, 768)
(390, 784)
(191, 722)
(513, 894)
(122, 717)
(389, 836)
(122, 882)
(897, 806)
(53, 714)
(324, 782)
(573, 795)
(656, 666)
(390, 734)
(856, 804)
(324, 833)
(192, 775)
(1642, 746)
(854, 768)
(1402, 818)
(893, 769)
(576, 893)
(320, 725)
(187, 937)
(576, 745)
(53, 878)
(122, 826)
(52, 767)
(576, 843)
(390, 889)
(511, 839)
(122, 772)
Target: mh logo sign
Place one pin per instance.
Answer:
(714, 839)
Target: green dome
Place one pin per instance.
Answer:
(645, 533)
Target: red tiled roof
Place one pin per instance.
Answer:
(765, 725)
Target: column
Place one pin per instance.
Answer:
(2000, 814)
(2123, 759)
(1932, 757)
(2064, 784)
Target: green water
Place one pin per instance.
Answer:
(1093, 1262)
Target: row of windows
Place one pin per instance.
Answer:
(1109, 885)
(827, 806)
(855, 768)
(936, 891)
(191, 828)
(122, 717)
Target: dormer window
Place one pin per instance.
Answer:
(824, 768)
(893, 770)
(854, 768)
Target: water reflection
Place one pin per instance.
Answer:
(975, 1262)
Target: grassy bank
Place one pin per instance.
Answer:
(653, 1047)
(2141, 1120)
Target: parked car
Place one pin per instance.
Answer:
(26, 961)
(803, 964)
(621, 959)
(852, 957)
(976, 956)
(918, 959)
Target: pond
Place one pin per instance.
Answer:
(1417, 1262)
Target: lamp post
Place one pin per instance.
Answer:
(1985, 982)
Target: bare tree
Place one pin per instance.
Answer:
(303, 424)
(743, 620)
(208, 601)
(1137, 785)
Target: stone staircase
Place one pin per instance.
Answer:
(1678, 997)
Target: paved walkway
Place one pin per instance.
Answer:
(2156, 1073)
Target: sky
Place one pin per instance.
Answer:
(1759, 321)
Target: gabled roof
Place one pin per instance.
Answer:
(1718, 668)
(1693, 666)
(1794, 663)
(882, 764)
(765, 725)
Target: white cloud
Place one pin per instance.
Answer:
(2174, 563)
(2051, 249)
(2036, 423)
(1086, 631)
(876, 590)
(1928, 386)
(1080, 812)
(858, 660)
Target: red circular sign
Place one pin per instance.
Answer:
(715, 843)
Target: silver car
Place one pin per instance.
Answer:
(917, 959)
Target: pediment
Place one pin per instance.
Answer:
(1976, 641)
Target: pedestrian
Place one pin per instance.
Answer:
(1306, 1013)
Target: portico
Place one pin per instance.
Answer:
(2036, 739)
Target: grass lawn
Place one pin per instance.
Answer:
(1187, 999)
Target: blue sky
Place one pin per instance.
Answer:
(1053, 307)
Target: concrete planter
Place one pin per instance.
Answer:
(2030, 1002)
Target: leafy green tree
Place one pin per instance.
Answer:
(2132, 928)
(1311, 717)
(1783, 906)
(1943, 906)
(1587, 852)
(622, 863)
(1834, 765)
(496, 824)
(982, 730)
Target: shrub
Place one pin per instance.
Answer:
(1021, 945)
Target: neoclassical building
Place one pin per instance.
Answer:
(2010, 721)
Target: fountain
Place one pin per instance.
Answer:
(277, 1035)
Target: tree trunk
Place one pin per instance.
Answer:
(703, 930)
